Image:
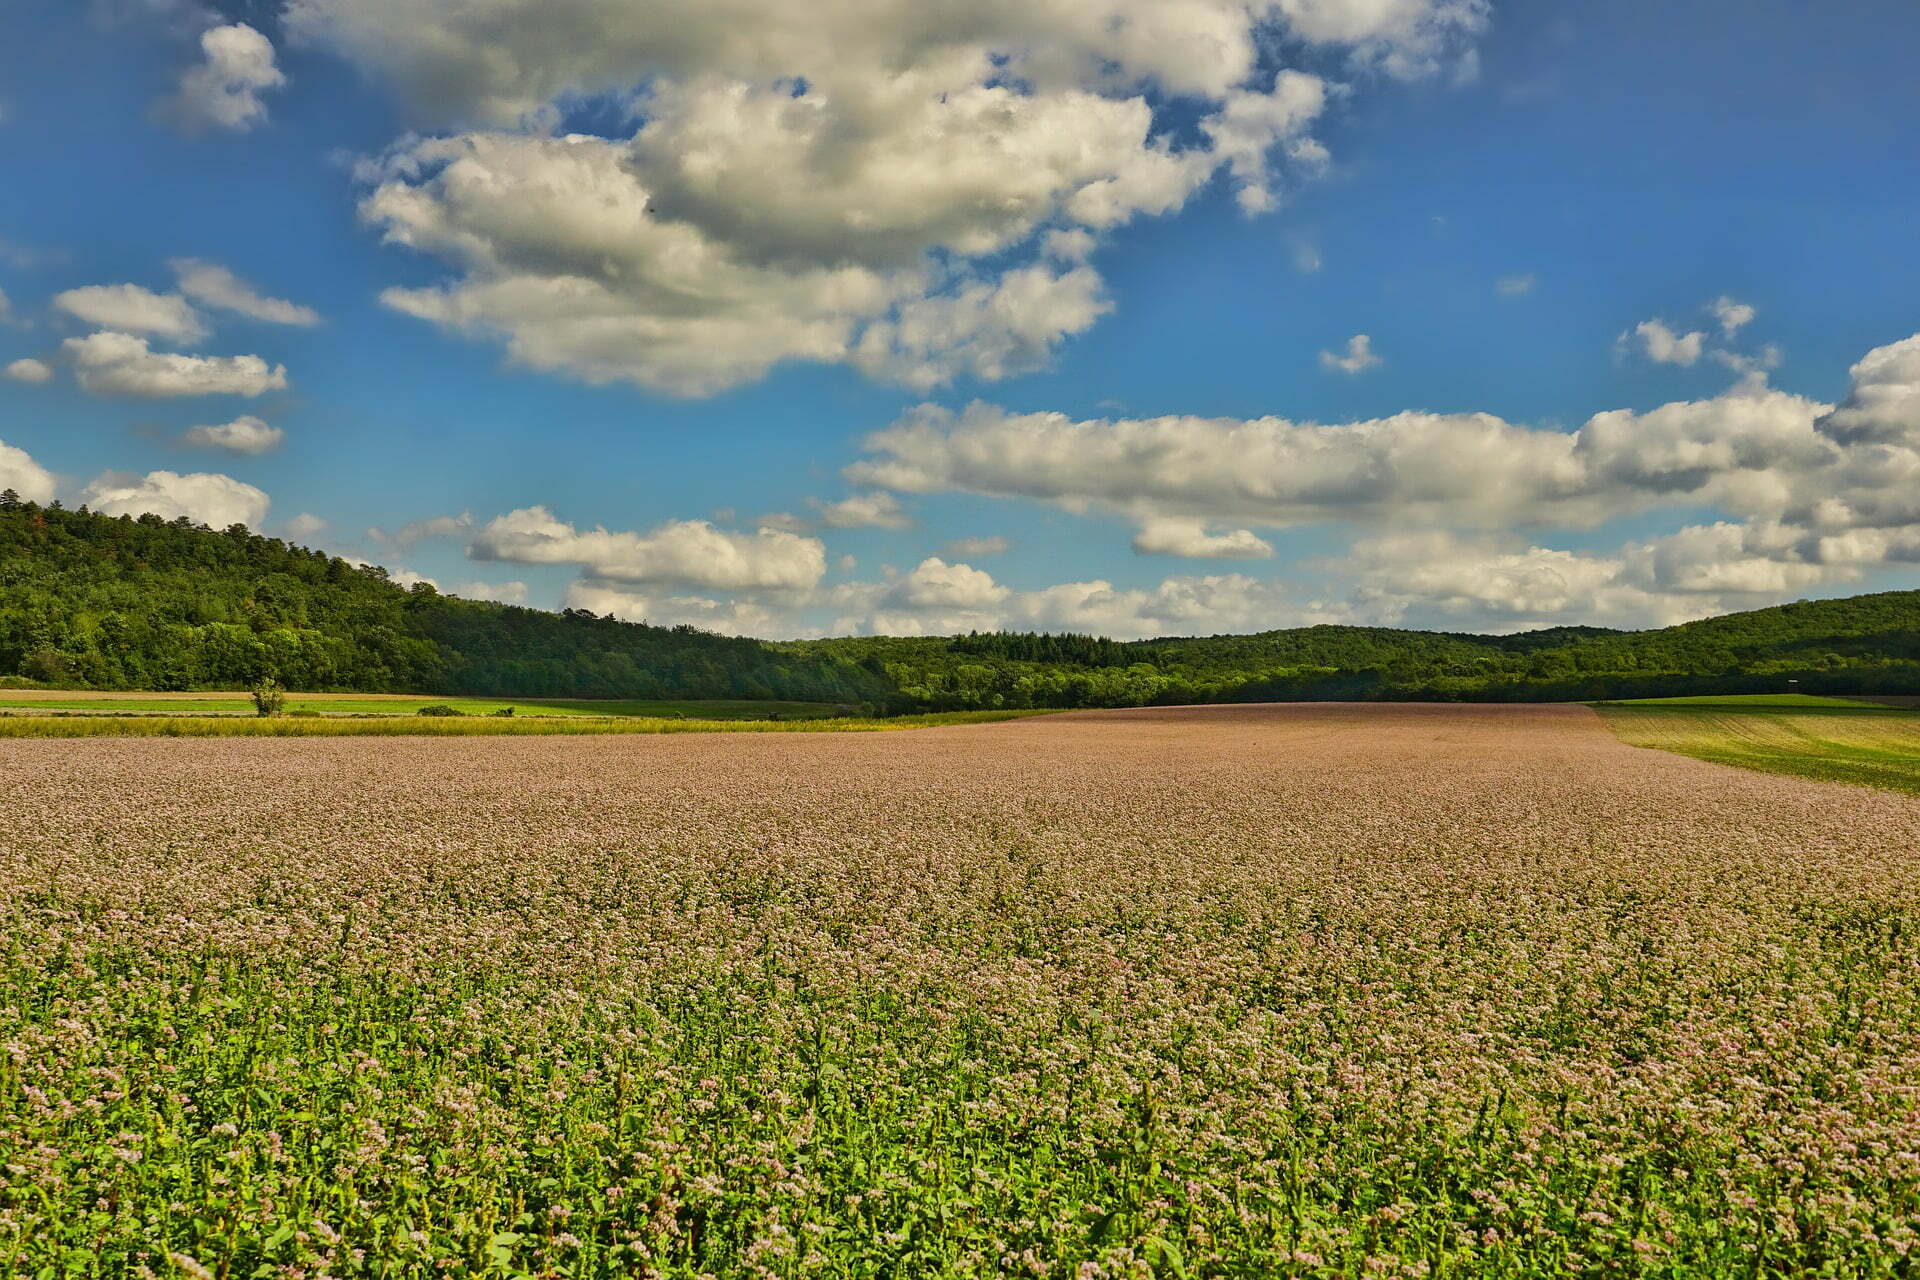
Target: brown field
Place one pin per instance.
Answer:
(1310, 989)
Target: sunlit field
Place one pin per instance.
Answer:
(24, 701)
(82, 725)
(1832, 739)
(1321, 991)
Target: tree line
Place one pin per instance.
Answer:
(93, 601)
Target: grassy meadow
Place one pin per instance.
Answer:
(1829, 739)
(472, 725)
(389, 704)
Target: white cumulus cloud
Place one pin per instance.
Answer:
(245, 434)
(911, 189)
(129, 308)
(204, 497)
(864, 511)
(213, 285)
(30, 371)
(222, 90)
(681, 552)
(20, 473)
(122, 364)
(1358, 357)
(1733, 316)
(1660, 344)
(499, 592)
(1177, 536)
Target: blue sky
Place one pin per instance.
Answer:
(644, 370)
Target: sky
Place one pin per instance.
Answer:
(1135, 317)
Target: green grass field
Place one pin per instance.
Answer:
(365, 704)
(72, 725)
(1775, 701)
(1830, 739)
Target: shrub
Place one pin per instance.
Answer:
(269, 698)
(439, 709)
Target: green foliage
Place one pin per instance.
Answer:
(439, 709)
(89, 601)
(269, 697)
(1863, 645)
(92, 601)
(1832, 741)
(308, 724)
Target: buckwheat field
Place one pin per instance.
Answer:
(1269, 991)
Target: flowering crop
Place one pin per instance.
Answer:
(1301, 991)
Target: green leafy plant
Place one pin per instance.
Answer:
(269, 698)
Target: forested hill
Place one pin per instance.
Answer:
(1864, 644)
(96, 601)
(120, 603)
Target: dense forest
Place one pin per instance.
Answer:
(101, 602)
(92, 601)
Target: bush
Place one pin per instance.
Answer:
(504, 711)
(439, 709)
(269, 699)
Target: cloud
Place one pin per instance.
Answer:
(215, 286)
(1731, 315)
(1805, 493)
(434, 527)
(914, 190)
(680, 552)
(1883, 405)
(203, 497)
(121, 364)
(128, 308)
(974, 548)
(728, 617)
(1209, 605)
(1249, 126)
(1653, 339)
(938, 598)
(20, 473)
(223, 90)
(1517, 286)
(1503, 584)
(988, 329)
(513, 58)
(1175, 536)
(936, 584)
(305, 525)
(30, 371)
(1411, 466)
(498, 592)
(245, 434)
(864, 511)
(1358, 358)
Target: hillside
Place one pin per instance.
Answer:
(92, 601)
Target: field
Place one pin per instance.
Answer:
(1832, 739)
(41, 701)
(1311, 990)
(83, 725)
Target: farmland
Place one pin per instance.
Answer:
(1832, 739)
(32, 701)
(1310, 990)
